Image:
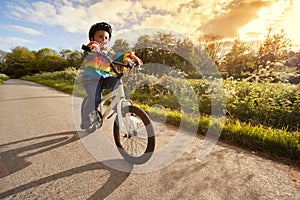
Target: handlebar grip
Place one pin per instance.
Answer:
(86, 48)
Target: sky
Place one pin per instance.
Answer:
(64, 24)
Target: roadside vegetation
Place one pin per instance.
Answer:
(261, 87)
(3, 78)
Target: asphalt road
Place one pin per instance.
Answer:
(43, 156)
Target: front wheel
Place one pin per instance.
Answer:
(137, 144)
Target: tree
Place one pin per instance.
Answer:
(156, 49)
(20, 62)
(3, 55)
(143, 48)
(49, 60)
(163, 48)
(74, 58)
(293, 59)
(214, 46)
(186, 58)
(274, 50)
(121, 45)
(143, 42)
(65, 53)
(46, 52)
(240, 59)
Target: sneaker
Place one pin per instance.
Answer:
(99, 120)
(91, 129)
(93, 116)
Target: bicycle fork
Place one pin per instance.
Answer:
(122, 104)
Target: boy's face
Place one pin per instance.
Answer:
(102, 37)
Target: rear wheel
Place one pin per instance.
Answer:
(137, 144)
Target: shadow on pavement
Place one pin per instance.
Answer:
(14, 160)
(116, 178)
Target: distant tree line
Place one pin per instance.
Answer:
(237, 58)
(22, 61)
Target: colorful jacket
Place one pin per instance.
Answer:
(96, 66)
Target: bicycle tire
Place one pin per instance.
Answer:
(132, 115)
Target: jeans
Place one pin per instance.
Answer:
(94, 91)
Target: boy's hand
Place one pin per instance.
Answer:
(136, 59)
(94, 46)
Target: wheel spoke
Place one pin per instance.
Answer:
(139, 139)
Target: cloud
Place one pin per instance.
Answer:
(13, 40)
(167, 6)
(74, 15)
(291, 23)
(21, 29)
(193, 18)
(239, 14)
(60, 13)
(9, 42)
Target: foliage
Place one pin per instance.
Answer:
(274, 49)
(165, 49)
(21, 61)
(48, 60)
(74, 58)
(3, 78)
(121, 45)
(237, 59)
(293, 59)
(3, 55)
(60, 80)
(214, 46)
(240, 59)
(265, 140)
(270, 104)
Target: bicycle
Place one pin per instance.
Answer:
(133, 131)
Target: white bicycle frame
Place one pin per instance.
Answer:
(118, 99)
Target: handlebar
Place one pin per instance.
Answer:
(130, 62)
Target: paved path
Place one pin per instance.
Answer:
(44, 157)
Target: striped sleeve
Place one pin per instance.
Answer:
(120, 56)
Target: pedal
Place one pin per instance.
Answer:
(99, 120)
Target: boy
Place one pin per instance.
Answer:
(96, 75)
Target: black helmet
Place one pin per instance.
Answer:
(100, 26)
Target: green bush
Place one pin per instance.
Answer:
(60, 80)
(271, 104)
(3, 78)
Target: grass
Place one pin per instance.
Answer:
(265, 140)
(61, 85)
